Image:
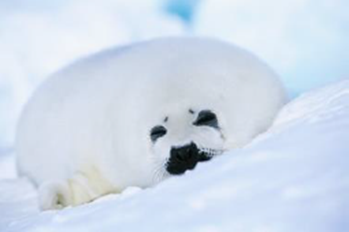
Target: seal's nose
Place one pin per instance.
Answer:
(182, 159)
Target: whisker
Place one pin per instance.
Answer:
(158, 172)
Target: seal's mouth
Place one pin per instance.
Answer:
(187, 157)
(208, 153)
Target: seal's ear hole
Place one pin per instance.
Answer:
(206, 118)
(157, 132)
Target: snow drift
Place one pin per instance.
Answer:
(292, 178)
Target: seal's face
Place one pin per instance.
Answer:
(184, 139)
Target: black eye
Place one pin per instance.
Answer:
(157, 132)
(206, 118)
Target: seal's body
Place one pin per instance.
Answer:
(132, 116)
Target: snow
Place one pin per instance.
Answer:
(292, 178)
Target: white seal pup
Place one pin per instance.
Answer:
(135, 115)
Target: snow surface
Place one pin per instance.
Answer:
(293, 178)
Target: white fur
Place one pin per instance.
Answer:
(85, 132)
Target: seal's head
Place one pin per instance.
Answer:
(186, 138)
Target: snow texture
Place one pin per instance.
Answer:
(292, 178)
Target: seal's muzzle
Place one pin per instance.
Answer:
(183, 159)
